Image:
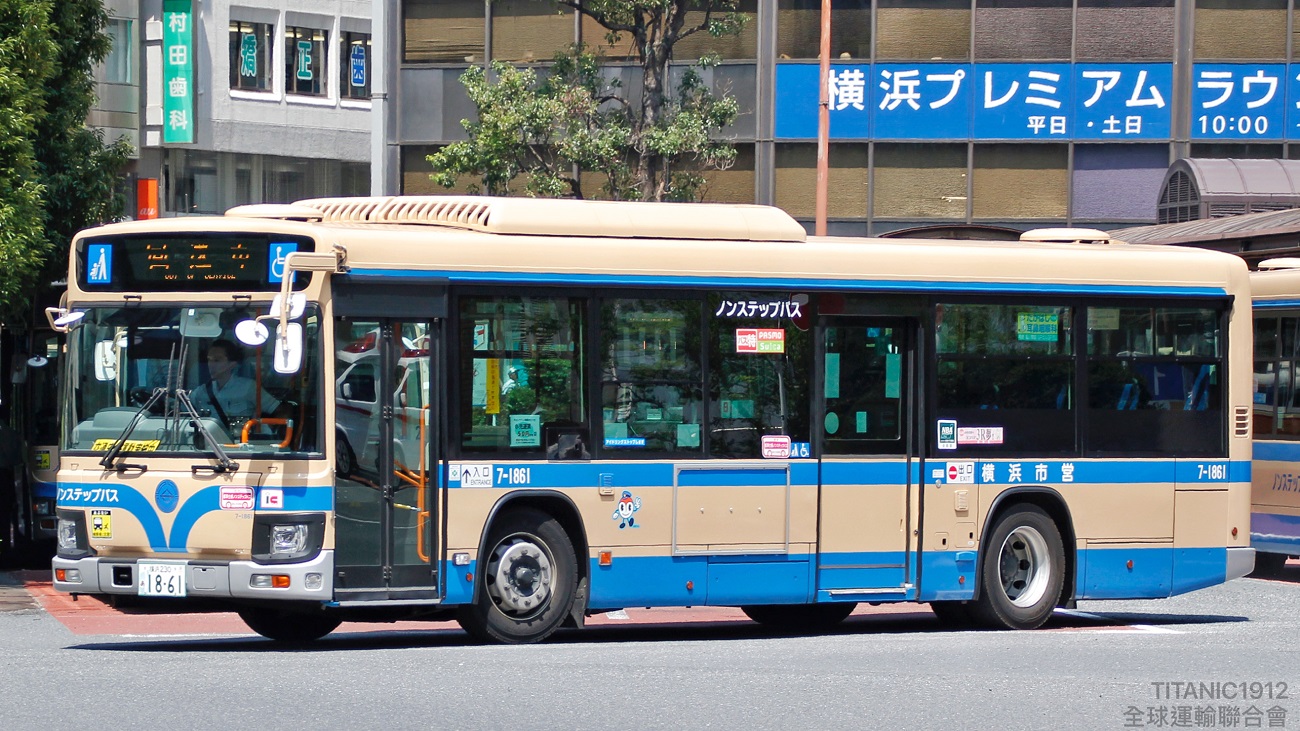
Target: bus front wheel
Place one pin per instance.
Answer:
(288, 626)
(1021, 571)
(528, 583)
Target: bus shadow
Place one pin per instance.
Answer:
(917, 623)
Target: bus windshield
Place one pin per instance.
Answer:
(121, 359)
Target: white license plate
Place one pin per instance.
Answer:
(160, 579)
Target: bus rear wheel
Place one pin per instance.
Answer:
(288, 626)
(800, 617)
(1021, 571)
(529, 578)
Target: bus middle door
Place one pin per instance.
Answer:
(869, 462)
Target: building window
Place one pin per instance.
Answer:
(1233, 30)
(354, 66)
(1044, 29)
(922, 29)
(117, 65)
(799, 29)
(1020, 181)
(250, 55)
(443, 31)
(304, 61)
(847, 189)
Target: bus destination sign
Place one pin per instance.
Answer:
(192, 262)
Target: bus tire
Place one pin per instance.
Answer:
(1268, 565)
(1021, 571)
(800, 617)
(952, 613)
(288, 626)
(529, 577)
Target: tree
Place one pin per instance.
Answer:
(56, 175)
(552, 128)
(26, 60)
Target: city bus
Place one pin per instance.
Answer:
(27, 522)
(518, 413)
(1275, 522)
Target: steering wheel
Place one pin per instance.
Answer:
(140, 395)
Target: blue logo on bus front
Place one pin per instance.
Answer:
(166, 496)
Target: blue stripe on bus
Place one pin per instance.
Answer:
(1277, 451)
(787, 282)
(631, 475)
(204, 501)
(1275, 533)
(1275, 304)
(665, 581)
(40, 488)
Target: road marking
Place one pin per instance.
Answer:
(1128, 628)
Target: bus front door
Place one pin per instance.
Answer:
(869, 465)
(384, 458)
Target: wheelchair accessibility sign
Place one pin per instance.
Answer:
(276, 260)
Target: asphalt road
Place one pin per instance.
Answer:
(1112, 665)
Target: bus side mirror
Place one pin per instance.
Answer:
(105, 361)
(288, 348)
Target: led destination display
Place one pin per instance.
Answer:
(166, 262)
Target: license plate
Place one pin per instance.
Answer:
(160, 579)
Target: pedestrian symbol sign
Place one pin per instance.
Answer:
(99, 262)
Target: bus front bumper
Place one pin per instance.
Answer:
(309, 580)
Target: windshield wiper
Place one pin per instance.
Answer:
(112, 452)
(224, 462)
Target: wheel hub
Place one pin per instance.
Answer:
(1023, 566)
(521, 576)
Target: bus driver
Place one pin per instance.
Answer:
(232, 398)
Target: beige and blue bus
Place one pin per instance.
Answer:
(1275, 523)
(516, 413)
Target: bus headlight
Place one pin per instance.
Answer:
(288, 540)
(287, 537)
(67, 532)
(70, 534)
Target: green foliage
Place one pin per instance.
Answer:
(26, 59)
(56, 175)
(551, 128)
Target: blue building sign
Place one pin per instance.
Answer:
(358, 59)
(1022, 101)
(921, 101)
(1238, 101)
(1038, 101)
(1122, 101)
